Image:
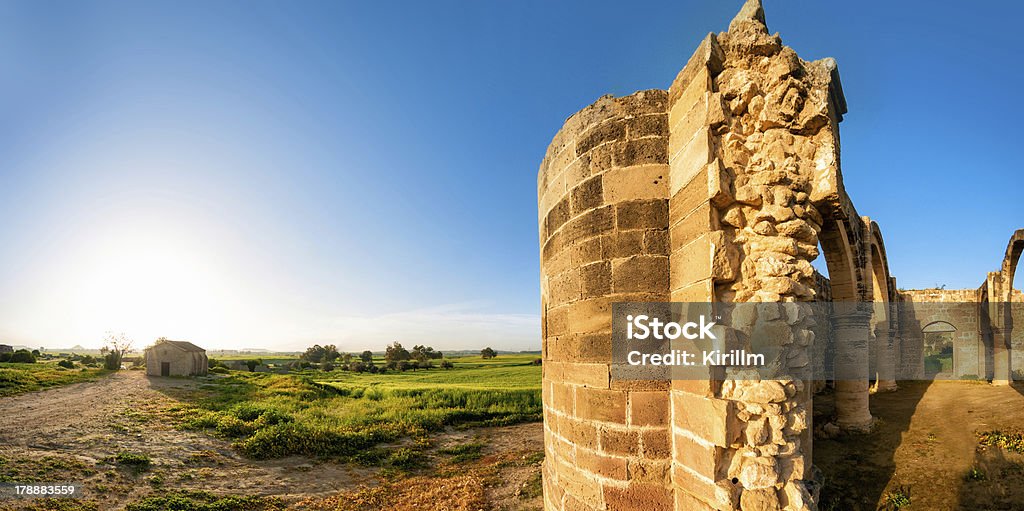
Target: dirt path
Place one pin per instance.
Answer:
(926, 443)
(70, 431)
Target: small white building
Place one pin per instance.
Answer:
(176, 358)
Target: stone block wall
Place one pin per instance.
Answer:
(603, 197)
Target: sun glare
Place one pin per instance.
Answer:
(147, 286)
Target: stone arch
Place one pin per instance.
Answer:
(882, 324)
(1010, 260)
(939, 326)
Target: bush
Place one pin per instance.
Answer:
(139, 461)
(447, 364)
(5, 357)
(112, 361)
(66, 364)
(23, 357)
(219, 370)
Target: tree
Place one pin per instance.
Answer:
(331, 353)
(253, 364)
(488, 353)
(421, 353)
(396, 353)
(447, 364)
(23, 357)
(315, 353)
(116, 346)
(347, 358)
(366, 357)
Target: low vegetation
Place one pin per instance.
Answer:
(1013, 442)
(896, 499)
(16, 378)
(348, 414)
(202, 501)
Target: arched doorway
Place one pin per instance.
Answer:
(939, 351)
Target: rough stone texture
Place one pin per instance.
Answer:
(720, 189)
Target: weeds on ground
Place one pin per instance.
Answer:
(1013, 442)
(974, 474)
(896, 499)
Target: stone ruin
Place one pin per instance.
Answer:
(723, 188)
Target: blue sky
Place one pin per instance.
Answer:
(275, 174)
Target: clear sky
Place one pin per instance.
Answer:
(273, 174)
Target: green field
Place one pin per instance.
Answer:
(18, 378)
(360, 416)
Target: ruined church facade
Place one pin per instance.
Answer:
(720, 189)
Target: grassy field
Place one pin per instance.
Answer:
(378, 419)
(18, 378)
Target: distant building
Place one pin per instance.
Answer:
(6, 349)
(176, 358)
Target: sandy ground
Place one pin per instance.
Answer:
(89, 422)
(926, 442)
(67, 433)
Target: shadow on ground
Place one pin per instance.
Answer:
(856, 478)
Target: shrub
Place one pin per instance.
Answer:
(66, 364)
(447, 364)
(5, 357)
(219, 370)
(23, 357)
(138, 461)
(112, 361)
(537, 361)
(488, 353)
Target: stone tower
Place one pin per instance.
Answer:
(716, 190)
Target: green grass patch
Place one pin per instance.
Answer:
(344, 414)
(203, 501)
(137, 461)
(18, 378)
(30, 469)
(463, 453)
